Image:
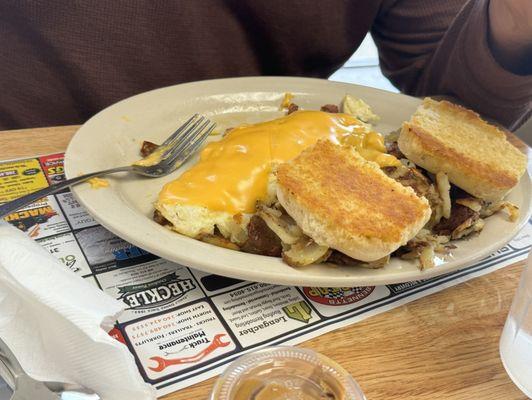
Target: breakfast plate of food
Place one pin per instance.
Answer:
(307, 182)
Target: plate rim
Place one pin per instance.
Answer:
(300, 280)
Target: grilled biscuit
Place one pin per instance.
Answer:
(347, 203)
(477, 157)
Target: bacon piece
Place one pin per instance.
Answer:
(147, 148)
(330, 108)
(292, 108)
(261, 239)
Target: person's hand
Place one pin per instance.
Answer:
(510, 34)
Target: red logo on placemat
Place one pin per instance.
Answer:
(53, 167)
(338, 296)
(163, 363)
(116, 334)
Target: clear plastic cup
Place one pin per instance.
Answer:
(516, 338)
(285, 373)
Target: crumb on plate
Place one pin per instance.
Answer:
(98, 183)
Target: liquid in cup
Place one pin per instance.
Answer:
(285, 373)
(516, 338)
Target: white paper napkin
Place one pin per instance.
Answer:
(56, 323)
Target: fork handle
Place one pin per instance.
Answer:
(14, 205)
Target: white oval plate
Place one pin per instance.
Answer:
(113, 137)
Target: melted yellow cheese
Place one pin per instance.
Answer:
(232, 174)
(154, 158)
(98, 183)
(287, 99)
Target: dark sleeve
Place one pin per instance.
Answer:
(435, 47)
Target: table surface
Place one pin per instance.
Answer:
(442, 346)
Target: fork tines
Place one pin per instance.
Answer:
(195, 131)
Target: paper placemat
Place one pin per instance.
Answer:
(183, 325)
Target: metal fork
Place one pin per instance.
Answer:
(174, 151)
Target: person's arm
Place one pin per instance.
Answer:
(510, 34)
(469, 50)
